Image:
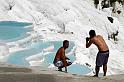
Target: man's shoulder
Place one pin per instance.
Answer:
(96, 38)
(61, 49)
(99, 36)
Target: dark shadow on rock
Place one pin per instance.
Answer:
(110, 19)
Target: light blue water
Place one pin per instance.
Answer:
(74, 68)
(18, 58)
(11, 30)
(14, 24)
(78, 69)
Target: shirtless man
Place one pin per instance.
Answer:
(60, 60)
(102, 55)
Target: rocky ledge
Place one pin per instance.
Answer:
(12, 73)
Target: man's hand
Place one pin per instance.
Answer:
(67, 58)
(87, 39)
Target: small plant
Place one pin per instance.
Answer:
(11, 4)
(113, 36)
(96, 2)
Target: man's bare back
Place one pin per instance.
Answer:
(100, 43)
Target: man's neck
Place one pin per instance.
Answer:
(64, 47)
(92, 37)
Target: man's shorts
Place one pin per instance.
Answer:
(102, 58)
(60, 63)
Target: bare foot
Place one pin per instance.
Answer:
(59, 69)
(95, 76)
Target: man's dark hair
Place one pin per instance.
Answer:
(92, 33)
(65, 41)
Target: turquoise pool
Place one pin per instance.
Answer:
(12, 30)
(19, 58)
(78, 69)
(14, 24)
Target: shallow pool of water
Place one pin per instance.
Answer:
(78, 69)
(19, 57)
(11, 30)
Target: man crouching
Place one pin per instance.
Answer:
(60, 60)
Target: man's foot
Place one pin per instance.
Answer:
(59, 69)
(95, 76)
(104, 75)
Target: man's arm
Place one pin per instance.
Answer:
(88, 42)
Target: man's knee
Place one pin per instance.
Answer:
(104, 65)
(97, 67)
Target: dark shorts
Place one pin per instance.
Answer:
(102, 58)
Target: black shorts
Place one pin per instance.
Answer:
(102, 58)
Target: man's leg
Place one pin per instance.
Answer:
(59, 64)
(105, 69)
(97, 68)
(59, 69)
(105, 63)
